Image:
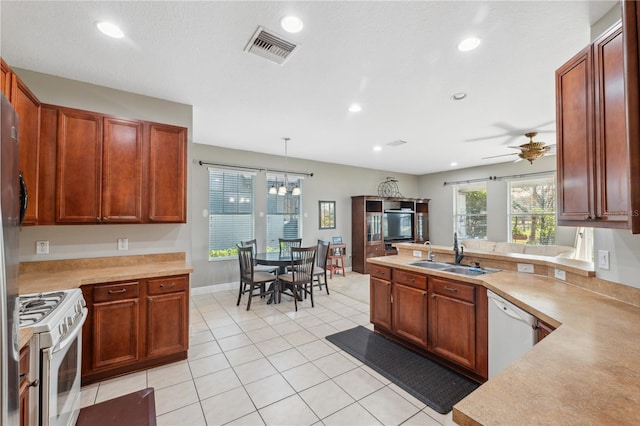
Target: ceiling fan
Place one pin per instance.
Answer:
(529, 151)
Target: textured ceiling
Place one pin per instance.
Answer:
(397, 59)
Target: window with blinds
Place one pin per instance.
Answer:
(470, 210)
(283, 212)
(230, 211)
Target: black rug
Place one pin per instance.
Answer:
(437, 386)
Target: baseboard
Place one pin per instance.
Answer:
(213, 288)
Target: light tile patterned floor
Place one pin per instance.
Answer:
(273, 366)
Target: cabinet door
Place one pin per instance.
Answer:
(575, 147)
(410, 314)
(380, 303)
(115, 333)
(5, 79)
(452, 322)
(28, 108)
(79, 174)
(612, 199)
(374, 227)
(122, 171)
(167, 320)
(24, 402)
(167, 174)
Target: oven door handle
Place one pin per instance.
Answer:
(70, 336)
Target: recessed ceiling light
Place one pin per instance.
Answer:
(377, 148)
(355, 108)
(458, 96)
(112, 30)
(291, 24)
(469, 44)
(453, 164)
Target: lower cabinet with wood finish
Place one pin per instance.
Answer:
(134, 325)
(442, 318)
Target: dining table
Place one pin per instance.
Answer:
(281, 260)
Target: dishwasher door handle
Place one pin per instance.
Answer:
(508, 311)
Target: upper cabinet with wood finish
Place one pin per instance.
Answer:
(598, 155)
(5, 79)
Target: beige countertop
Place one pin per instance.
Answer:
(585, 372)
(54, 275)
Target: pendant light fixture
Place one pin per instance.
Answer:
(283, 188)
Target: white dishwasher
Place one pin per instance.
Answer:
(512, 332)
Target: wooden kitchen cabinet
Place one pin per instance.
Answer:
(380, 295)
(409, 307)
(24, 367)
(116, 319)
(99, 168)
(28, 108)
(167, 320)
(167, 174)
(543, 330)
(5, 79)
(592, 153)
(134, 325)
(452, 321)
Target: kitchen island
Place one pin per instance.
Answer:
(587, 371)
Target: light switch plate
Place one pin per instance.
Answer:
(123, 244)
(560, 274)
(603, 259)
(525, 267)
(42, 247)
(417, 253)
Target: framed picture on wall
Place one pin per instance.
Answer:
(327, 214)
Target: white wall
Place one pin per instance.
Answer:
(77, 241)
(441, 204)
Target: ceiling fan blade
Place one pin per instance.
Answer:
(496, 156)
(517, 160)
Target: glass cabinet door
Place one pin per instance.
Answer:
(374, 227)
(422, 228)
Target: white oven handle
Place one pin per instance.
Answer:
(71, 334)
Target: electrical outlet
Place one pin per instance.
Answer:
(559, 274)
(603, 259)
(525, 267)
(123, 244)
(417, 253)
(42, 247)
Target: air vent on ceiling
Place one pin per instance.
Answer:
(397, 143)
(270, 46)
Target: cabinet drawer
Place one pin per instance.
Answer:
(24, 362)
(410, 279)
(107, 293)
(375, 250)
(453, 289)
(381, 272)
(167, 285)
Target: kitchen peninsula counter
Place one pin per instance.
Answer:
(53, 275)
(587, 371)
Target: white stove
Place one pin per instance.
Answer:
(57, 319)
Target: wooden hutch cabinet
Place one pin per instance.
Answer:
(370, 226)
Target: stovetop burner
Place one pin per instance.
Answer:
(35, 307)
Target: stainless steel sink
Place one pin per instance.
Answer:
(431, 264)
(454, 269)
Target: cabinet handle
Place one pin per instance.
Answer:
(167, 285)
(412, 280)
(455, 290)
(433, 296)
(35, 383)
(598, 217)
(124, 290)
(588, 217)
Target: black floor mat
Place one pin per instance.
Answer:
(437, 386)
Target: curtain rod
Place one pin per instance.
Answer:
(258, 169)
(498, 178)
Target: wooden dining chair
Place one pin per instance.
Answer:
(259, 268)
(320, 269)
(250, 279)
(286, 244)
(300, 276)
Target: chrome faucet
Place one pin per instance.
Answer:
(429, 255)
(459, 254)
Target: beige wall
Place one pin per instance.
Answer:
(75, 241)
